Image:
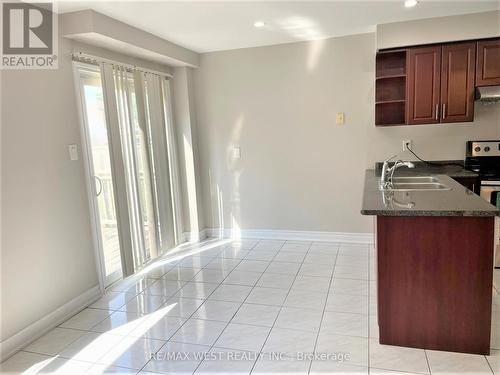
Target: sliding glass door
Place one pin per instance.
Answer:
(101, 176)
(132, 165)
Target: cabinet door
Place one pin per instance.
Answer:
(424, 76)
(457, 82)
(488, 63)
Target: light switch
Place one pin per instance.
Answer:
(237, 153)
(339, 118)
(73, 151)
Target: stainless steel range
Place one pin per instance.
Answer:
(483, 157)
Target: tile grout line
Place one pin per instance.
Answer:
(324, 307)
(281, 307)
(204, 300)
(87, 331)
(489, 364)
(141, 292)
(218, 256)
(145, 314)
(163, 304)
(220, 283)
(427, 360)
(54, 356)
(253, 287)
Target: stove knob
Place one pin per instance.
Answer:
(477, 149)
(486, 149)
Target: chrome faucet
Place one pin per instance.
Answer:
(388, 172)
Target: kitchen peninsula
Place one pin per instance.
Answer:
(434, 250)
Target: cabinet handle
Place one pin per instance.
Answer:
(437, 112)
(443, 114)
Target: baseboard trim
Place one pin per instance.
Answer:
(290, 235)
(10, 346)
(194, 236)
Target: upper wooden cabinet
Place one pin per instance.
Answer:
(439, 82)
(458, 63)
(424, 77)
(488, 63)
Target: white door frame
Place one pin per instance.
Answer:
(104, 280)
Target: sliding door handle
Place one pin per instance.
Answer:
(437, 112)
(443, 112)
(100, 186)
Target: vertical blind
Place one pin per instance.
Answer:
(143, 154)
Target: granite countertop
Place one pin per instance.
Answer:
(459, 201)
(452, 168)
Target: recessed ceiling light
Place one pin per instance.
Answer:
(259, 24)
(410, 3)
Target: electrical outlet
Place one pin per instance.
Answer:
(407, 143)
(73, 152)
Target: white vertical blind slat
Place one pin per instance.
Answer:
(157, 126)
(152, 242)
(118, 169)
(172, 158)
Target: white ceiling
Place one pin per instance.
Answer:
(211, 26)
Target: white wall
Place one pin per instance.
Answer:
(439, 30)
(47, 258)
(298, 170)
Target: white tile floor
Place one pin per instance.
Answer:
(209, 308)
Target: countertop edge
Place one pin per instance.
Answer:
(429, 213)
(372, 206)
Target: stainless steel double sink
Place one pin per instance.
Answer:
(416, 183)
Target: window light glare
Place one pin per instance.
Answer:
(259, 24)
(410, 3)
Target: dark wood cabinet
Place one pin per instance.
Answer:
(457, 82)
(423, 87)
(434, 282)
(488, 63)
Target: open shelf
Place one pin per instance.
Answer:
(390, 113)
(392, 63)
(390, 88)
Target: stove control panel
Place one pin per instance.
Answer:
(483, 148)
